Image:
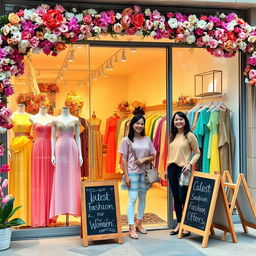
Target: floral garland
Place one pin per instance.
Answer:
(50, 30)
(32, 101)
(75, 103)
(48, 88)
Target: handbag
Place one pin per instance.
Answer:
(150, 174)
(184, 179)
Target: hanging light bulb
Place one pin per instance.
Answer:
(133, 50)
(61, 76)
(71, 56)
(116, 59)
(65, 66)
(110, 65)
(123, 57)
(102, 72)
(107, 66)
(94, 77)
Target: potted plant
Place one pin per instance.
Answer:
(6, 212)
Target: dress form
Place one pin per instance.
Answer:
(42, 117)
(65, 117)
(94, 122)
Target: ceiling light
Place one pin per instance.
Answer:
(71, 56)
(61, 76)
(94, 77)
(133, 50)
(65, 66)
(110, 65)
(123, 57)
(116, 58)
(107, 66)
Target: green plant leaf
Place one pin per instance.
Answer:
(16, 222)
(1, 213)
(3, 20)
(2, 226)
(13, 211)
(8, 209)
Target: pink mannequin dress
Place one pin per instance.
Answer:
(66, 180)
(42, 175)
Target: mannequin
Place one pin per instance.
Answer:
(42, 117)
(67, 159)
(20, 176)
(94, 122)
(42, 168)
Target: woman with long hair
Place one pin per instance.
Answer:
(137, 151)
(182, 154)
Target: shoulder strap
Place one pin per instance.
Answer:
(131, 148)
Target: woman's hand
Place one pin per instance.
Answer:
(127, 181)
(141, 161)
(186, 168)
(166, 175)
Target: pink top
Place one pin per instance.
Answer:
(143, 147)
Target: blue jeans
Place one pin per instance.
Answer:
(133, 195)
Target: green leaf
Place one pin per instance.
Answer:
(2, 226)
(4, 20)
(14, 210)
(1, 213)
(8, 209)
(16, 222)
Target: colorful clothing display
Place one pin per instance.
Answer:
(110, 141)
(84, 146)
(20, 176)
(42, 175)
(65, 197)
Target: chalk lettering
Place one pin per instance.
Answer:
(198, 186)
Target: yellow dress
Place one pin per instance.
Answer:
(20, 174)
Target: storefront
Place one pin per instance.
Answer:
(102, 82)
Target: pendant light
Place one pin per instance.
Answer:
(123, 57)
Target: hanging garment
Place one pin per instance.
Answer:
(20, 174)
(110, 141)
(202, 133)
(65, 197)
(162, 152)
(42, 175)
(152, 127)
(84, 146)
(213, 149)
(148, 124)
(226, 142)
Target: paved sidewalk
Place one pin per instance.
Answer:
(155, 243)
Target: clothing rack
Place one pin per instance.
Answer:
(214, 98)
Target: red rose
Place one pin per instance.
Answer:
(138, 20)
(231, 36)
(204, 18)
(52, 19)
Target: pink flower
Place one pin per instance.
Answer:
(242, 35)
(130, 31)
(126, 20)
(149, 24)
(33, 42)
(6, 199)
(87, 19)
(213, 43)
(155, 15)
(252, 73)
(219, 33)
(1, 150)
(26, 35)
(5, 183)
(137, 9)
(170, 15)
(5, 112)
(59, 8)
(180, 37)
(200, 42)
(117, 28)
(2, 194)
(84, 29)
(14, 70)
(63, 28)
(218, 52)
(252, 61)
(5, 168)
(40, 11)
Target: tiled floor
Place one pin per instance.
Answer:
(155, 243)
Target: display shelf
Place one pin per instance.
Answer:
(175, 107)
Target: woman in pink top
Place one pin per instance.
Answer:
(133, 178)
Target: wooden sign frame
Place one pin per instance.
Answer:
(85, 236)
(218, 190)
(235, 188)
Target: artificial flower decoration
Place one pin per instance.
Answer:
(75, 103)
(32, 101)
(123, 106)
(136, 104)
(48, 87)
(50, 29)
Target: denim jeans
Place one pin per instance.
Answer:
(133, 196)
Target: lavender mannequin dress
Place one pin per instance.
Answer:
(65, 197)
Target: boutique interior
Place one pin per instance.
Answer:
(103, 86)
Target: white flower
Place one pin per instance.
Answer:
(16, 36)
(246, 80)
(201, 24)
(147, 12)
(161, 25)
(153, 33)
(74, 10)
(69, 15)
(5, 29)
(192, 19)
(2, 130)
(252, 39)
(242, 46)
(191, 28)
(63, 28)
(52, 38)
(92, 12)
(14, 29)
(96, 29)
(1, 41)
(8, 49)
(138, 33)
(2, 76)
(173, 23)
(155, 23)
(230, 27)
(190, 39)
(209, 25)
(12, 62)
(39, 21)
(254, 54)
(79, 17)
(28, 14)
(234, 22)
(36, 50)
(222, 15)
(23, 44)
(186, 24)
(80, 37)
(206, 38)
(186, 32)
(118, 16)
(34, 16)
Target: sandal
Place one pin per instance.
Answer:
(141, 230)
(134, 236)
(173, 233)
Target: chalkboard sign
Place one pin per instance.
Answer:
(206, 207)
(100, 211)
(199, 202)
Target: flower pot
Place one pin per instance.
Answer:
(5, 238)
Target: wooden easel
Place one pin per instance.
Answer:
(241, 196)
(218, 214)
